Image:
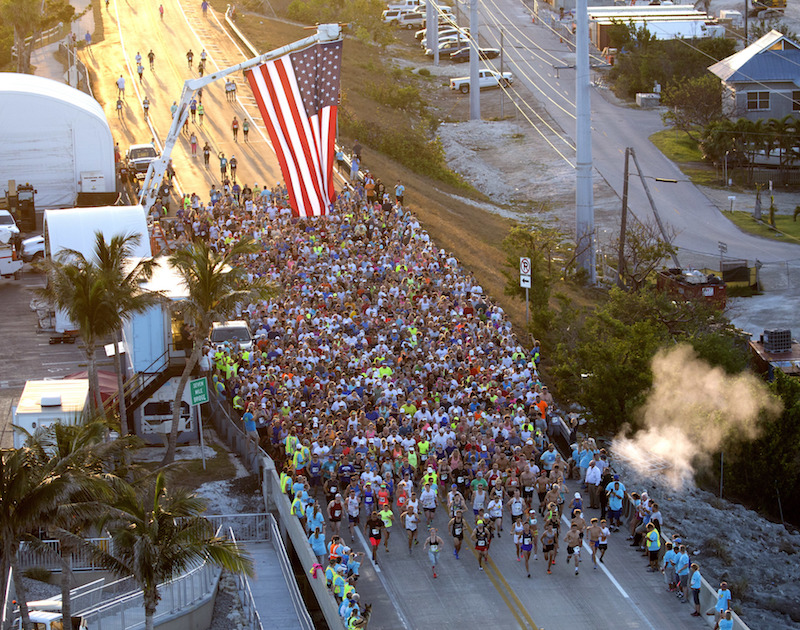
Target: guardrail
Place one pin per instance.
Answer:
(244, 527)
(257, 460)
(283, 558)
(252, 618)
(47, 555)
(52, 34)
(177, 596)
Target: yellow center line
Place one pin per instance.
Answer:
(528, 620)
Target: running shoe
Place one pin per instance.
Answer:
(529, 574)
(434, 574)
(549, 571)
(480, 568)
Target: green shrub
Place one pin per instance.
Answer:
(40, 574)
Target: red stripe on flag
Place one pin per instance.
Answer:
(262, 107)
(301, 200)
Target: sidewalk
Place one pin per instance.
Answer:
(43, 59)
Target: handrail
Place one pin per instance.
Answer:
(288, 575)
(8, 598)
(244, 584)
(137, 383)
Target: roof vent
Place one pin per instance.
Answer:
(51, 401)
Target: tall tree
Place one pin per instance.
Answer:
(217, 283)
(98, 292)
(124, 278)
(29, 491)
(693, 104)
(80, 451)
(158, 533)
(79, 289)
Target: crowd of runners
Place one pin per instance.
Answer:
(389, 389)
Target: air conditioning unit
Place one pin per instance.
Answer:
(777, 341)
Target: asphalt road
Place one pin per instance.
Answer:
(531, 52)
(132, 27)
(402, 587)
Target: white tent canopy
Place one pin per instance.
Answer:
(75, 228)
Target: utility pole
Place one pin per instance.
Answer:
(584, 195)
(623, 224)
(474, 86)
(653, 206)
(502, 68)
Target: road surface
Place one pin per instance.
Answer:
(531, 52)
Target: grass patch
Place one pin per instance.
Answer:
(685, 152)
(190, 474)
(40, 574)
(677, 145)
(786, 229)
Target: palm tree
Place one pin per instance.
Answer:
(124, 279)
(216, 284)
(29, 491)
(79, 288)
(81, 451)
(158, 533)
(98, 293)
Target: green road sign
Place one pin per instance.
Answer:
(199, 390)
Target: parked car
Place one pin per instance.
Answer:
(392, 16)
(33, 248)
(483, 53)
(405, 4)
(411, 20)
(140, 156)
(486, 79)
(446, 47)
(443, 31)
(7, 221)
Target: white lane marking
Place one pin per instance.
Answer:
(254, 119)
(389, 591)
(614, 581)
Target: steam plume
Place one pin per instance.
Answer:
(691, 409)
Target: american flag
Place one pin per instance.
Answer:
(297, 95)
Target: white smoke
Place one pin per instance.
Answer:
(692, 408)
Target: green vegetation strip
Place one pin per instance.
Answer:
(785, 227)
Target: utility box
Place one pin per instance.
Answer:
(777, 341)
(648, 100)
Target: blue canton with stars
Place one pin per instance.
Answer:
(317, 70)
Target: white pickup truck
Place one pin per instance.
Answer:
(486, 79)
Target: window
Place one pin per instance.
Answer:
(757, 101)
(796, 101)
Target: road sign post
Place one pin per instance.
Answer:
(198, 389)
(525, 281)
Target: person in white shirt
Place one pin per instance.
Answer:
(593, 477)
(428, 500)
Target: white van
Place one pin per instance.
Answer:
(411, 5)
(234, 331)
(411, 20)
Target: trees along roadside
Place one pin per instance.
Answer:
(217, 283)
(81, 451)
(158, 533)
